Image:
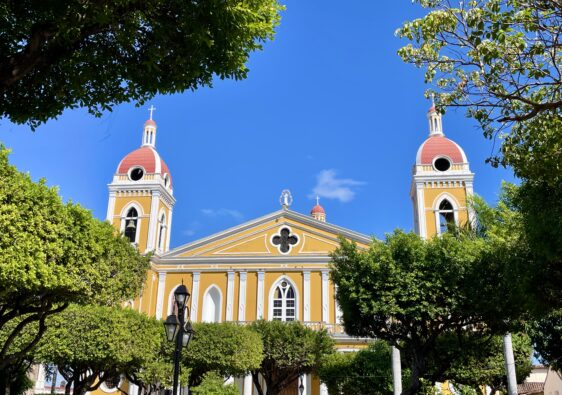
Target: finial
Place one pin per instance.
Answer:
(317, 200)
(151, 109)
(433, 99)
(286, 199)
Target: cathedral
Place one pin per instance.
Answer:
(275, 267)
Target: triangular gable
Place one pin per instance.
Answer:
(263, 237)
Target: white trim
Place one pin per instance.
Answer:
(306, 294)
(208, 290)
(279, 234)
(230, 296)
(339, 314)
(260, 299)
(123, 215)
(242, 297)
(437, 202)
(276, 283)
(248, 384)
(111, 207)
(103, 387)
(194, 296)
(164, 223)
(153, 221)
(420, 210)
(160, 294)
(469, 193)
(171, 300)
(325, 306)
(440, 156)
(169, 232)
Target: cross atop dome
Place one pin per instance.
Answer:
(318, 211)
(149, 132)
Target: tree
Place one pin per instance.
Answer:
(547, 339)
(290, 350)
(54, 254)
(94, 344)
(225, 348)
(485, 365)
(213, 384)
(499, 58)
(418, 293)
(365, 372)
(97, 54)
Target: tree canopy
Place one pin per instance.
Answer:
(225, 348)
(498, 58)
(418, 294)
(94, 344)
(547, 339)
(365, 372)
(290, 349)
(54, 254)
(96, 54)
(213, 384)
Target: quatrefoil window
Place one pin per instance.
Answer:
(284, 240)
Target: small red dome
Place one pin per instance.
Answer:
(318, 209)
(150, 122)
(436, 146)
(148, 159)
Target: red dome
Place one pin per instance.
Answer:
(150, 122)
(318, 209)
(148, 158)
(436, 146)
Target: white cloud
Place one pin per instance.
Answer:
(330, 187)
(192, 228)
(222, 212)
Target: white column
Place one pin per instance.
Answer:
(133, 389)
(153, 221)
(242, 297)
(160, 294)
(260, 300)
(194, 297)
(306, 295)
(509, 364)
(396, 371)
(111, 207)
(230, 296)
(248, 384)
(339, 314)
(470, 192)
(422, 231)
(325, 306)
(40, 382)
(169, 232)
(323, 389)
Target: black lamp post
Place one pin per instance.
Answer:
(178, 330)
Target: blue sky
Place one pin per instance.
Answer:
(327, 107)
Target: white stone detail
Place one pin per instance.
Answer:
(230, 297)
(260, 300)
(325, 285)
(160, 294)
(194, 297)
(306, 294)
(242, 297)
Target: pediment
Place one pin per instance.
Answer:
(282, 233)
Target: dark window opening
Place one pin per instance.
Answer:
(137, 173)
(446, 216)
(131, 221)
(442, 164)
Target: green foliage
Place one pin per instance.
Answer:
(500, 58)
(90, 344)
(14, 379)
(485, 365)
(213, 384)
(70, 54)
(290, 349)
(225, 348)
(365, 372)
(547, 339)
(54, 254)
(429, 296)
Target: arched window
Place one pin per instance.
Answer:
(161, 232)
(446, 216)
(131, 222)
(284, 302)
(212, 305)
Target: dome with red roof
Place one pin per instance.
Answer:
(146, 158)
(318, 209)
(438, 146)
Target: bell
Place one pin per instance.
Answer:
(131, 224)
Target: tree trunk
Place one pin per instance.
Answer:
(67, 387)
(418, 370)
(257, 384)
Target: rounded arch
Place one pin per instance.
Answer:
(284, 306)
(443, 213)
(162, 230)
(134, 238)
(212, 304)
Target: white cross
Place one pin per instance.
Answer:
(151, 109)
(317, 200)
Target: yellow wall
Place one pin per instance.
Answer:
(431, 194)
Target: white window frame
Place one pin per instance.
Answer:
(123, 216)
(284, 307)
(437, 212)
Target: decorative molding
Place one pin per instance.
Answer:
(230, 296)
(244, 241)
(325, 306)
(111, 207)
(242, 297)
(260, 301)
(194, 297)
(153, 221)
(306, 295)
(160, 294)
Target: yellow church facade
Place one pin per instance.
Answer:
(275, 267)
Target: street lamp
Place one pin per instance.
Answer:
(178, 330)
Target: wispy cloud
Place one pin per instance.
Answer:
(222, 212)
(192, 228)
(330, 187)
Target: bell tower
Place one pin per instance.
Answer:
(141, 196)
(441, 182)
